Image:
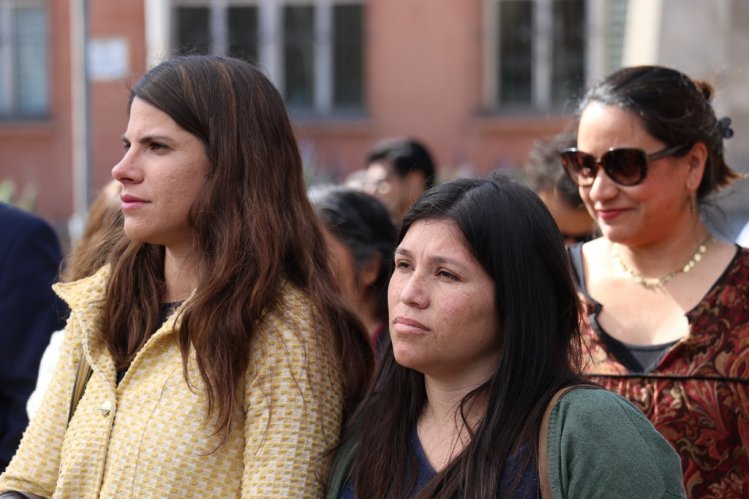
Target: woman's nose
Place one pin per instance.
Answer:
(125, 170)
(414, 292)
(603, 187)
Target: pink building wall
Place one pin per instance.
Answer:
(109, 98)
(423, 74)
(36, 154)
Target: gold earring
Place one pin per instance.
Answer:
(692, 202)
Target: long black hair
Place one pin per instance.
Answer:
(515, 239)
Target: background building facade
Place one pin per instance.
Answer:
(477, 80)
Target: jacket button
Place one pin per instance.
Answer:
(106, 408)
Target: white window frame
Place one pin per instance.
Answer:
(270, 56)
(595, 50)
(7, 56)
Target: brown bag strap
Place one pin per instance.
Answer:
(79, 386)
(543, 440)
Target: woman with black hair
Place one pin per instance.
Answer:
(361, 238)
(484, 327)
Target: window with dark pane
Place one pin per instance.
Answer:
(348, 56)
(30, 61)
(298, 52)
(244, 36)
(568, 50)
(192, 30)
(515, 40)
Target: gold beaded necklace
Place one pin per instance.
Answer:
(653, 282)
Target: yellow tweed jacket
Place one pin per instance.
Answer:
(147, 436)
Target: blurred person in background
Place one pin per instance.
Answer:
(668, 303)
(544, 174)
(357, 179)
(399, 170)
(30, 258)
(222, 358)
(102, 231)
(361, 239)
(479, 395)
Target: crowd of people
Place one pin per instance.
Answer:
(579, 332)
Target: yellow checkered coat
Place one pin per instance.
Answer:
(147, 436)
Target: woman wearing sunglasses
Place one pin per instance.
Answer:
(668, 303)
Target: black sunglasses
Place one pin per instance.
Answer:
(626, 166)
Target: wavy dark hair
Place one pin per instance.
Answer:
(674, 109)
(255, 229)
(513, 236)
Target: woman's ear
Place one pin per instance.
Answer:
(697, 158)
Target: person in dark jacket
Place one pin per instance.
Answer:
(30, 257)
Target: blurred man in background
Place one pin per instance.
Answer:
(398, 172)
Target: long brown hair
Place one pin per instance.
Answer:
(255, 229)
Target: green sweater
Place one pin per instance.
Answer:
(599, 446)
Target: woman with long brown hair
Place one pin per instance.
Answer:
(222, 357)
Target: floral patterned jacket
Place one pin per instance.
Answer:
(697, 395)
